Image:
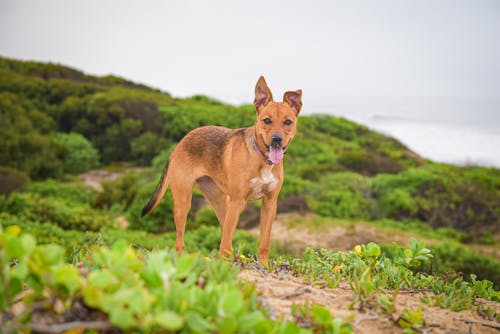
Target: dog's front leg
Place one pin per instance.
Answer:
(267, 214)
(233, 210)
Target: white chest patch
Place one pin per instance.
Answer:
(263, 184)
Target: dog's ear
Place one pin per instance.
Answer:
(262, 94)
(294, 100)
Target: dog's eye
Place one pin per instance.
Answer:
(288, 122)
(267, 120)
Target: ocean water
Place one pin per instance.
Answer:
(457, 131)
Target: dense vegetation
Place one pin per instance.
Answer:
(57, 122)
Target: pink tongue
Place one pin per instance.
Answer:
(275, 154)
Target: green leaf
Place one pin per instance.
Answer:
(3, 300)
(249, 321)
(103, 279)
(197, 323)
(35, 282)
(67, 276)
(29, 244)
(13, 230)
(14, 248)
(122, 318)
(138, 300)
(231, 301)
(15, 286)
(151, 278)
(169, 320)
(290, 328)
(92, 296)
(321, 314)
(372, 250)
(52, 254)
(19, 271)
(185, 265)
(227, 325)
(120, 246)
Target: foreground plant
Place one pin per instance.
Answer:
(119, 287)
(376, 280)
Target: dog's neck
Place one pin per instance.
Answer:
(257, 149)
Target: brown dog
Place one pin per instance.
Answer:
(231, 167)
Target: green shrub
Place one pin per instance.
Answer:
(333, 126)
(79, 153)
(145, 147)
(344, 195)
(439, 195)
(12, 180)
(293, 185)
(67, 215)
(204, 217)
(27, 144)
(368, 163)
(204, 239)
(160, 220)
(452, 258)
(64, 191)
(120, 193)
(77, 243)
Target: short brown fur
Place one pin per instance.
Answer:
(228, 169)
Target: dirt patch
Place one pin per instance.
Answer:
(281, 290)
(342, 237)
(94, 178)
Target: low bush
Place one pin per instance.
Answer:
(441, 196)
(344, 195)
(371, 270)
(79, 153)
(64, 191)
(451, 258)
(32, 207)
(368, 163)
(204, 217)
(120, 193)
(145, 147)
(205, 239)
(12, 180)
(160, 220)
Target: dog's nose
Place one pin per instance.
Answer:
(276, 139)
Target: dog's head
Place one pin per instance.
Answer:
(276, 121)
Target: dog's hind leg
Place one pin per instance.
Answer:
(181, 193)
(214, 195)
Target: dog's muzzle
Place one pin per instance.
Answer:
(276, 141)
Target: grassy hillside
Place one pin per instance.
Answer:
(57, 123)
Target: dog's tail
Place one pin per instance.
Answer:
(159, 191)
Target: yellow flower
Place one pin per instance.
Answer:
(357, 250)
(336, 269)
(244, 258)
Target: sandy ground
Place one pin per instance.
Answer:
(94, 178)
(280, 291)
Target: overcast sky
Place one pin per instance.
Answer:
(220, 47)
